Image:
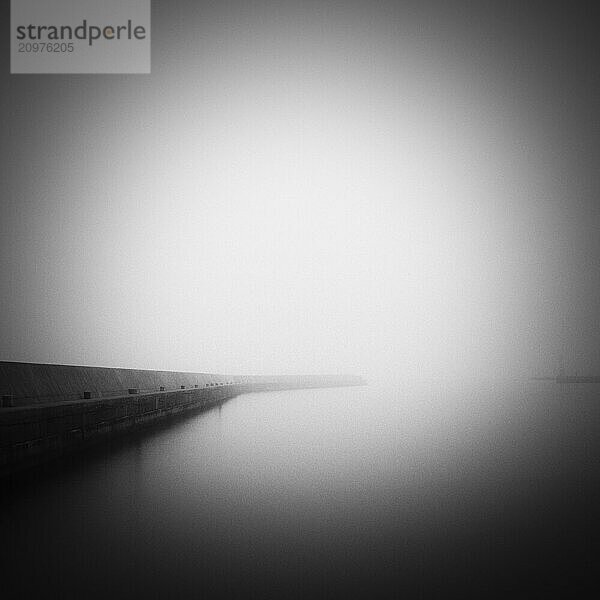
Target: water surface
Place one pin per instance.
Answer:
(364, 492)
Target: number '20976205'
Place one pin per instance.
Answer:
(46, 47)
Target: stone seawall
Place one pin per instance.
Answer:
(39, 431)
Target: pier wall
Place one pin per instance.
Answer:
(50, 410)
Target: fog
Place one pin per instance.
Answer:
(316, 189)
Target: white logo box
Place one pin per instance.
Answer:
(80, 36)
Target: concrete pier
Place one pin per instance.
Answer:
(50, 410)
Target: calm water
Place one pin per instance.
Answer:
(366, 492)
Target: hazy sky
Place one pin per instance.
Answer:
(375, 187)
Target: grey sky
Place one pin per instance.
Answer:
(368, 187)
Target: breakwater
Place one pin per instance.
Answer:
(49, 410)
